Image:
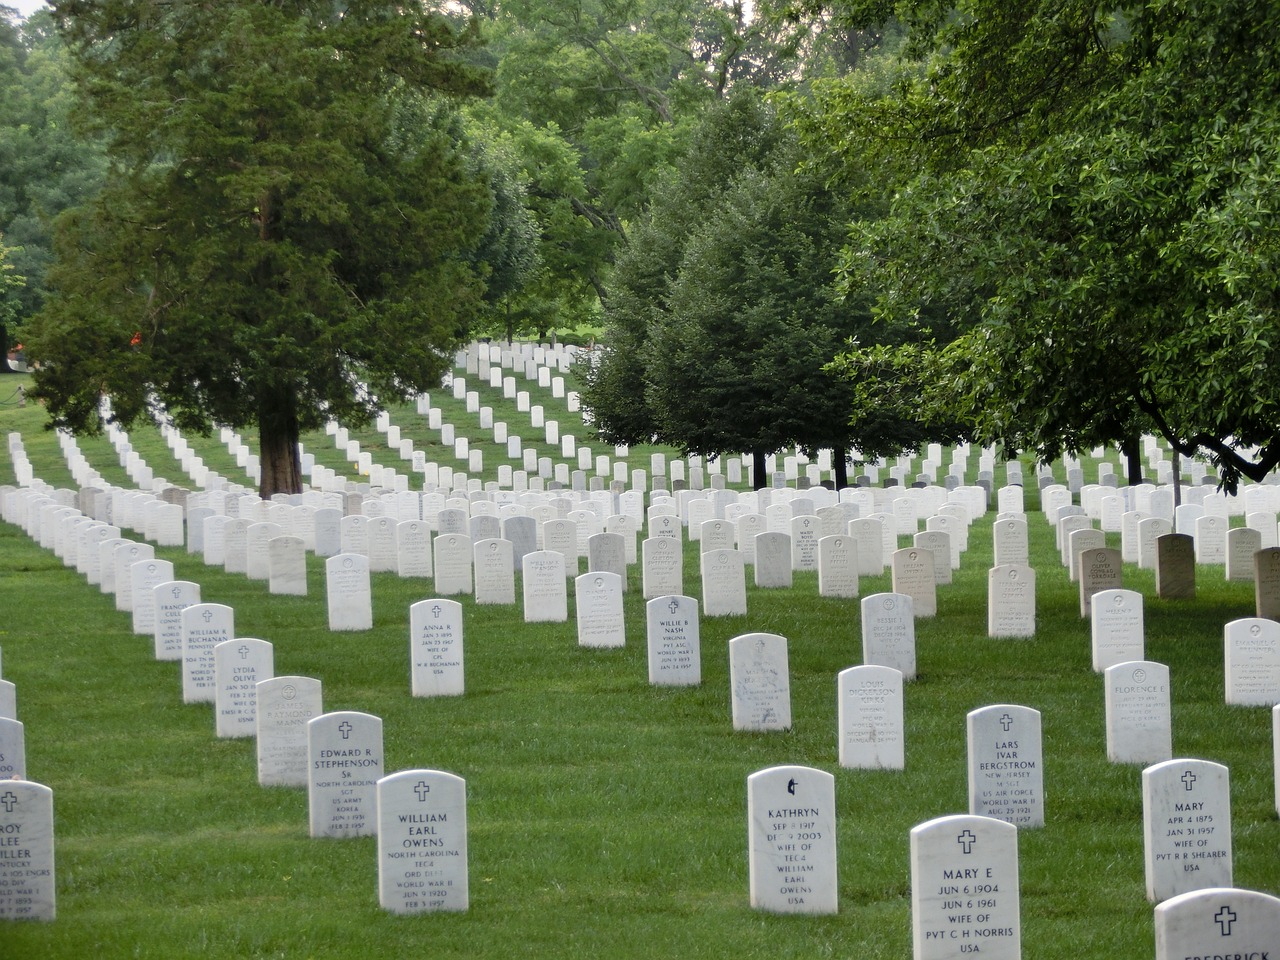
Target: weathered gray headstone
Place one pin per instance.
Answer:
(760, 682)
(285, 704)
(913, 574)
(494, 572)
(724, 585)
(773, 565)
(453, 556)
(1175, 567)
(287, 566)
(662, 567)
(544, 590)
(1100, 569)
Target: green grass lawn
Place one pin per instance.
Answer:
(607, 817)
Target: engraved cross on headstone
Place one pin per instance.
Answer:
(243, 650)
(422, 789)
(1006, 721)
(1189, 778)
(967, 840)
(1225, 918)
(345, 729)
(435, 611)
(9, 800)
(673, 606)
(207, 615)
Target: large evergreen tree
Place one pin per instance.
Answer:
(286, 212)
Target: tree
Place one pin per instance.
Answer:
(285, 214)
(1088, 195)
(10, 281)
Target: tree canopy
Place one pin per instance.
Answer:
(288, 209)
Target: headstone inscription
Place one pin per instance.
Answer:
(345, 761)
(348, 592)
(965, 890)
(869, 718)
(913, 575)
(791, 840)
(239, 665)
(413, 549)
(837, 566)
(422, 842)
(1117, 628)
(285, 704)
(1186, 817)
(144, 577)
(1139, 725)
(674, 647)
(1006, 764)
(27, 881)
(889, 632)
(724, 585)
(1220, 922)
(452, 555)
(1252, 660)
(661, 567)
(760, 682)
(543, 586)
(494, 572)
(435, 648)
(204, 626)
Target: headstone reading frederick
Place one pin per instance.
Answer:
(1175, 567)
(913, 575)
(1252, 659)
(422, 842)
(285, 704)
(869, 718)
(1100, 569)
(204, 626)
(1117, 628)
(791, 840)
(239, 665)
(1223, 923)
(760, 682)
(1139, 724)
(545, 593)
(889, 632)
(1011, 601)
(1186, 817)
(965, 890)
(598, 608)
(349, 595)
(27, 881)
(1006, 764)
(435, 648)
(674, 647)
(724, 585)
(345, 760)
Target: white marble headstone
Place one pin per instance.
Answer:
(1117, 627)
(889, 632)
(1011, 601)
(28, 888)
(1252, 658)
(760, 682)
(543, 586)
(13, 749)
(673, 635)
(239, 665)
(422, 842)
(453, 556)
(1219, 922)
(348, 592)
(598, 606)
(724, 585)
(169, 600)
(494, 572)
(869, 718)
(1186, 815)
(285, 704)
(791, 826)
(1139, 724)
(204, 626)
(1006, 764)
(345, 763)
(436, 648)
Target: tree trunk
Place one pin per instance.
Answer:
(278, 444)
(1132, 451)
(840, 463)
(4, 351)
(759, 472)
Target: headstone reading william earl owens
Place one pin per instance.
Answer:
(422, 842)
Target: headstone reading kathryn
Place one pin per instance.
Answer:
(345, 761)
(673, 635)
(964, 889)
(1224, 923)
(27, 881)
(869, 718)
(285, 704)
(791, 840)
(1006, 764)
(422, 842)
(435, 648)
(1117, 627)
(760, 682)
(350, 598)
(598, 606)
(1139, 725)
(1175, 567)
(204, 626)
(889, 632)
(1011, 601)
(1186, 816)
(1252, 659)
(239, 665)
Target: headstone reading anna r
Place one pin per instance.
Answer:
(869, 718)
(791, 842)
(1252, 659)
(1011, 601)
(28, 890)
(239, 665)
(760, 682)
(1006, 764)
(889, 632)
(422, 842)
(435, 648)
(1220, 922)
(1139, 724)
(1116, 627)
(965, 889)
(204, 626)
(674, 647)
(345, 760)
(598, 608)
(285, 704)
(347, 589)
(1186, 818)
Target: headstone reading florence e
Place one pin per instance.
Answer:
(791, 840)
(1011, 601)
(239, 665)
(422, 842)
(1186, 817)
(13, 750)
(348, 593)
(435, 648)
(1252, 660)
(27, 881)
(1175, 567)
(889, 632)
(913, 575)
(1266, 583)
(204, 626)
(673, 641)
(869, 718)
(760, 682)
(965, 890)
(345, 760)
(1100, 569)
(1139, 724)
(1220, 922)
(1117, 627)
(1006, 764)
(598, 608)
(285, 704)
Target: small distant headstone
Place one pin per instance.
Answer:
(674, 647)
(760, 682)
(1117, 628)
(1266, 583)
(435, 648)
(285, 704)
(965, 889)
(1252, 659)
(913, 574)
(724, 585)
(239, 665)
(422, 842)
(348, 592)
(598, 606)
(869, 718)
(204, 626)
(1011, 601)
(545, 593)
(27, 880)
(1100, 569)
(345, 763)
(1221, 922)
(1186, 814)
(1139, 725)
(662, 567)
(1006, 764)
(1175, 567)
(889, 632)
(791, 843)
